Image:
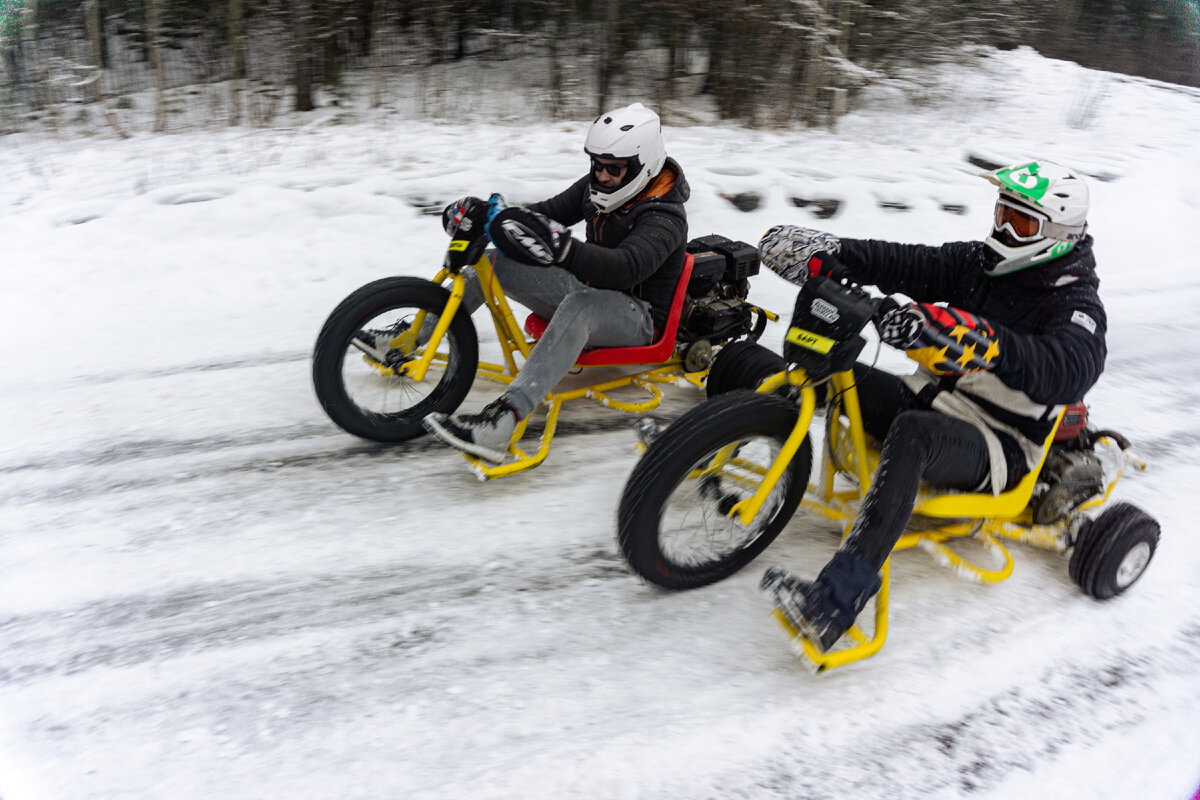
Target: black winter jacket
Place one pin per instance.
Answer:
(638, 248)
(1049, 322)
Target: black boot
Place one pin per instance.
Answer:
(824, 609)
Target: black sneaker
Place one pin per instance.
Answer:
(486, 434)
(805, 608)
(376, 342)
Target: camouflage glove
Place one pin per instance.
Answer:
(797, 254)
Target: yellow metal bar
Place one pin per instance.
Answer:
(1006, 505)
(493, 372)
(633, 408)
(843, 384)
(521, 461)
(749, 507)
(771, 315)
(417, 369)
(508, 330)
(1047, 537)
(863, 645)
(967, 569)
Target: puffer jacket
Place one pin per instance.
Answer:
(638, 248)
(1049, 322)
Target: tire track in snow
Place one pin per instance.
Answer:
(1015, 730)
(194, 619)
(132, 453)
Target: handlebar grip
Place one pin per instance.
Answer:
(828, 265)
(885, 305)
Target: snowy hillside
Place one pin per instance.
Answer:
(208, 590)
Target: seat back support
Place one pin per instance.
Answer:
(657, 352)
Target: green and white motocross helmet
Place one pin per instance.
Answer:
(1040, 215)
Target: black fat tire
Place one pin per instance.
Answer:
(333, 344)
(674, 456)
(1112, 551)
(742, 365)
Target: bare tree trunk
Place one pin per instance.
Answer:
(554, 51)
(378, 23)
(28, 74)
(153, 27)
(608, 56)
(237, 69)
(302, 57)
(839, 103)
(815, 72)
(91, 13)
(666, 93)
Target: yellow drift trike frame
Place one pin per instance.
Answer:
(408, 360)
(937, 517)
(716, 487)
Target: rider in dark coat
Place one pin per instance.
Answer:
(640, 245)
(1018, 332)
(610, 290)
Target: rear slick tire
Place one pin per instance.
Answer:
(672, 523)
(742, 365)
(1113, 550)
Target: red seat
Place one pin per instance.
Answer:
(656, 352)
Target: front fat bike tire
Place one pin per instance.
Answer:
(672, 523)
(358, 394)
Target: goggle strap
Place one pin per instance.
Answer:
(1066, 233)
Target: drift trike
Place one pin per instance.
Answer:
(400, 348)
(716, 487)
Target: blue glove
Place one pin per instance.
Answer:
(495, 204)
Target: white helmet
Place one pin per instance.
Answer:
(1040, 215)
(631, 133)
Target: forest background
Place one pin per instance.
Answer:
(90, 64)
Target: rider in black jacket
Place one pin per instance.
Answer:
(639, 246)
(610, 290)
(1018, 331)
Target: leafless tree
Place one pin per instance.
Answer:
(237, 55)
(302, 54)
(154, 49)
(95, 33)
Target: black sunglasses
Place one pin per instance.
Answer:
(611, 169)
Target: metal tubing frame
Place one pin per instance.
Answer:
(1004, 516)
(513, 341)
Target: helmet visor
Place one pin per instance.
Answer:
(1022, 225)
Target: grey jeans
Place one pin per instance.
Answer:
(579, 317)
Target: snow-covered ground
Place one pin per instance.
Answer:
(207, 590)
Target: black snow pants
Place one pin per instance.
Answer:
(918, 444)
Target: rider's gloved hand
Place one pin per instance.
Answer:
(946, 341)
(900, 326)
(454, 214)
(796, 253)
(495, 204)
(529, 237)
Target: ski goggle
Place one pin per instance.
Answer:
(1025, 225)
(1020, 223)
(611, 169)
